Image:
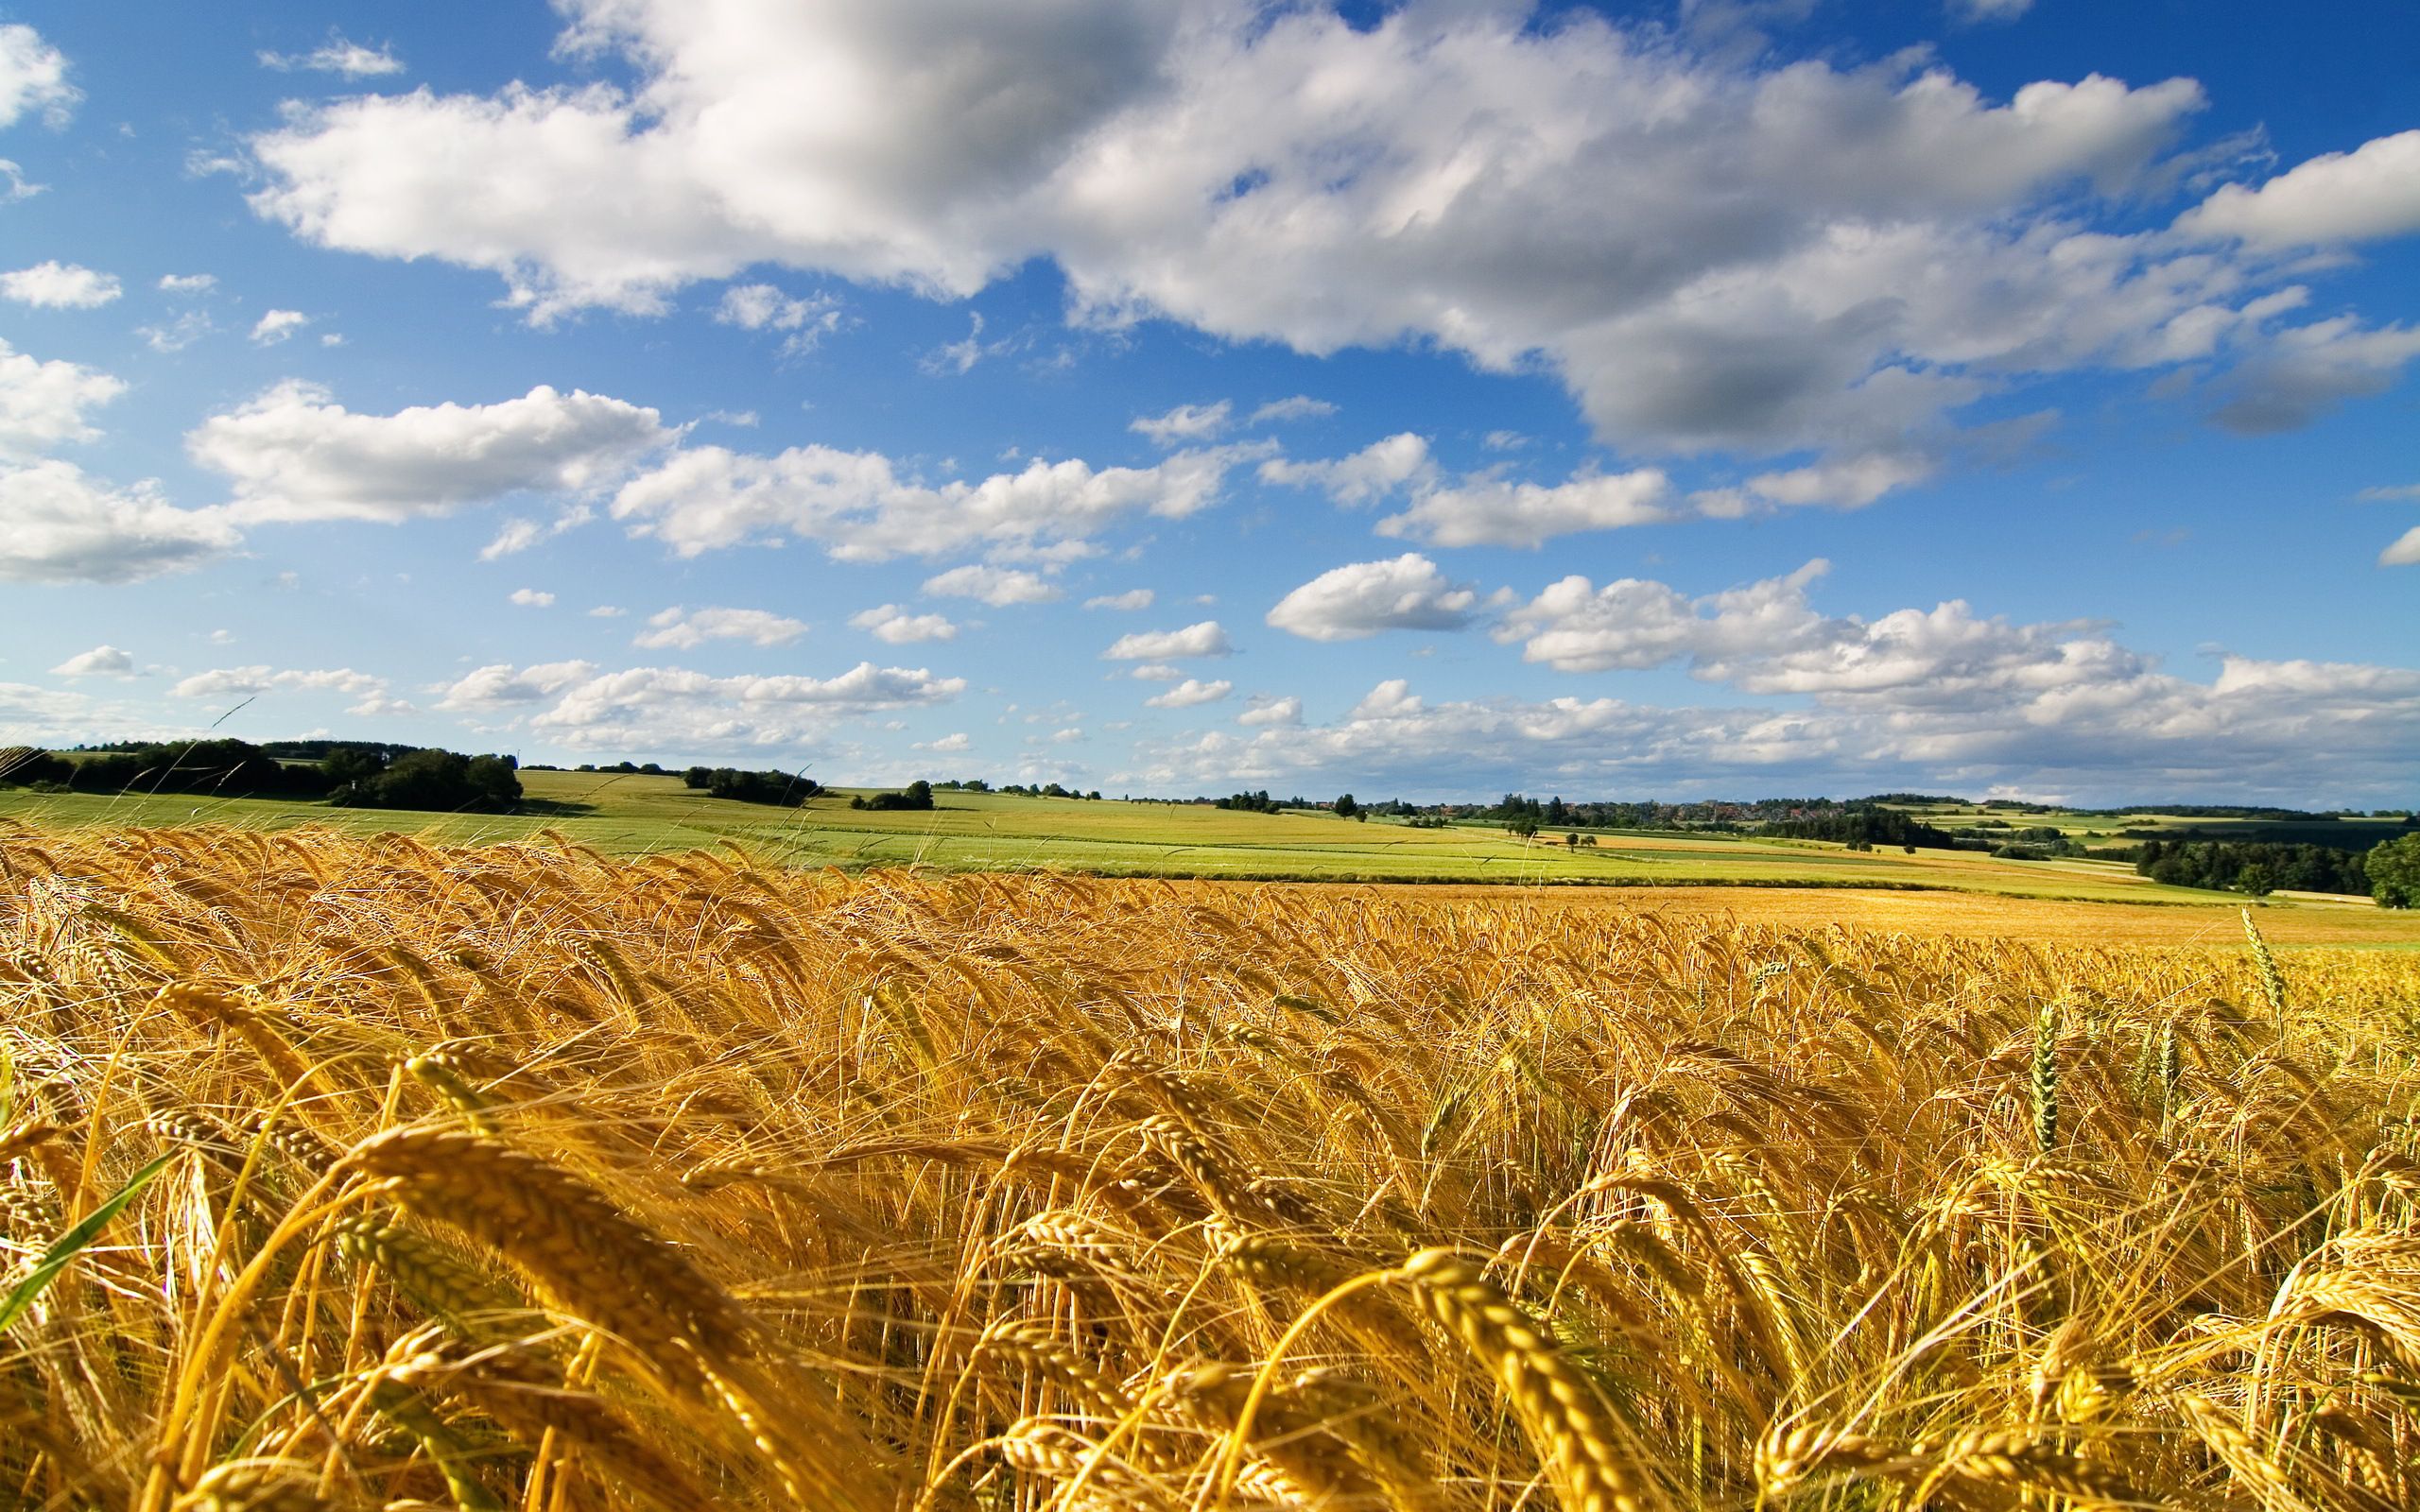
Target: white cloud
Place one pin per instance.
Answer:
(1504, 441)
(949, 745)
(33, 76)
(1711, 246)
(1281, 712)
(294, 454)
(997, 586)
(1357, 601)
(672, 708)
(1156, 672)
(2337, 197)
(498, 686)
(893, 624)
(187, 283)
(252, 681)
(1845, 482)
(1576, 626)
(2407, 491)
(56, 285)
(1203, 639)
(1368, 475)
(1134, 598)
(2404, 551)
(100, 662)
(64, 525)
(2111, 730)
(1186, 423)
(349, 59)
(804, 323)
(532, 598)
(1975, 12)
(683, 628)
(1293, 408)
(178, 333)
(2308, 370)
(1493, 512)
(960, 358)
(43, 403)
(607, 611)
(277, 325)
(1190, 693)
(19, 186)
(857, 506)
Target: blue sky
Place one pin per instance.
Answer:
(1776, 396)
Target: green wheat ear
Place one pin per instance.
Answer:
(2271, 982)
(2046, 1076)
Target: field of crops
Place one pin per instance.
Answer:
(626, 815)
(358, 1171)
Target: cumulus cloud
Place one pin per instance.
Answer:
(499, 686)
(803, 324)
(371, 694)
(100, 662)
(857, 506)
(949, 745)
(1373, 473)
(294, 454)
(1359, 600)
(532, 598)
(683, 628)
(187, 283)
(1207, 638)
(275, 326)
(2404, 551)
(1282, 712)
(42, 405)
(666, 709)
(2311, 369)
(64, 525)
(1190, 693)
(893, 624)
(1494, 512)
(349, 59)
(2370, 192)
(997, 586)
(1712, 247)
(1186, 423)
(56, 285)
(1767, 638)
(2125, 730)
(33, 76)
(1479, 509)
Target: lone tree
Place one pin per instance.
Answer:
(1345, 808)
(2395, 873)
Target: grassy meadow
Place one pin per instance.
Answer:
(358, 1171)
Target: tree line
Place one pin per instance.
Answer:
(2254, 867)
(347, 775)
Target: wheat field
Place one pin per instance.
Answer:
(356, 1171)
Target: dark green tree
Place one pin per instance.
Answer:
(2395, 873)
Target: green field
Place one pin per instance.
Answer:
(2109, 831)
(627, 813)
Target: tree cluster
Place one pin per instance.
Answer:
(918, 796)
(780, 789)
(445, 781)
(2253, 867)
